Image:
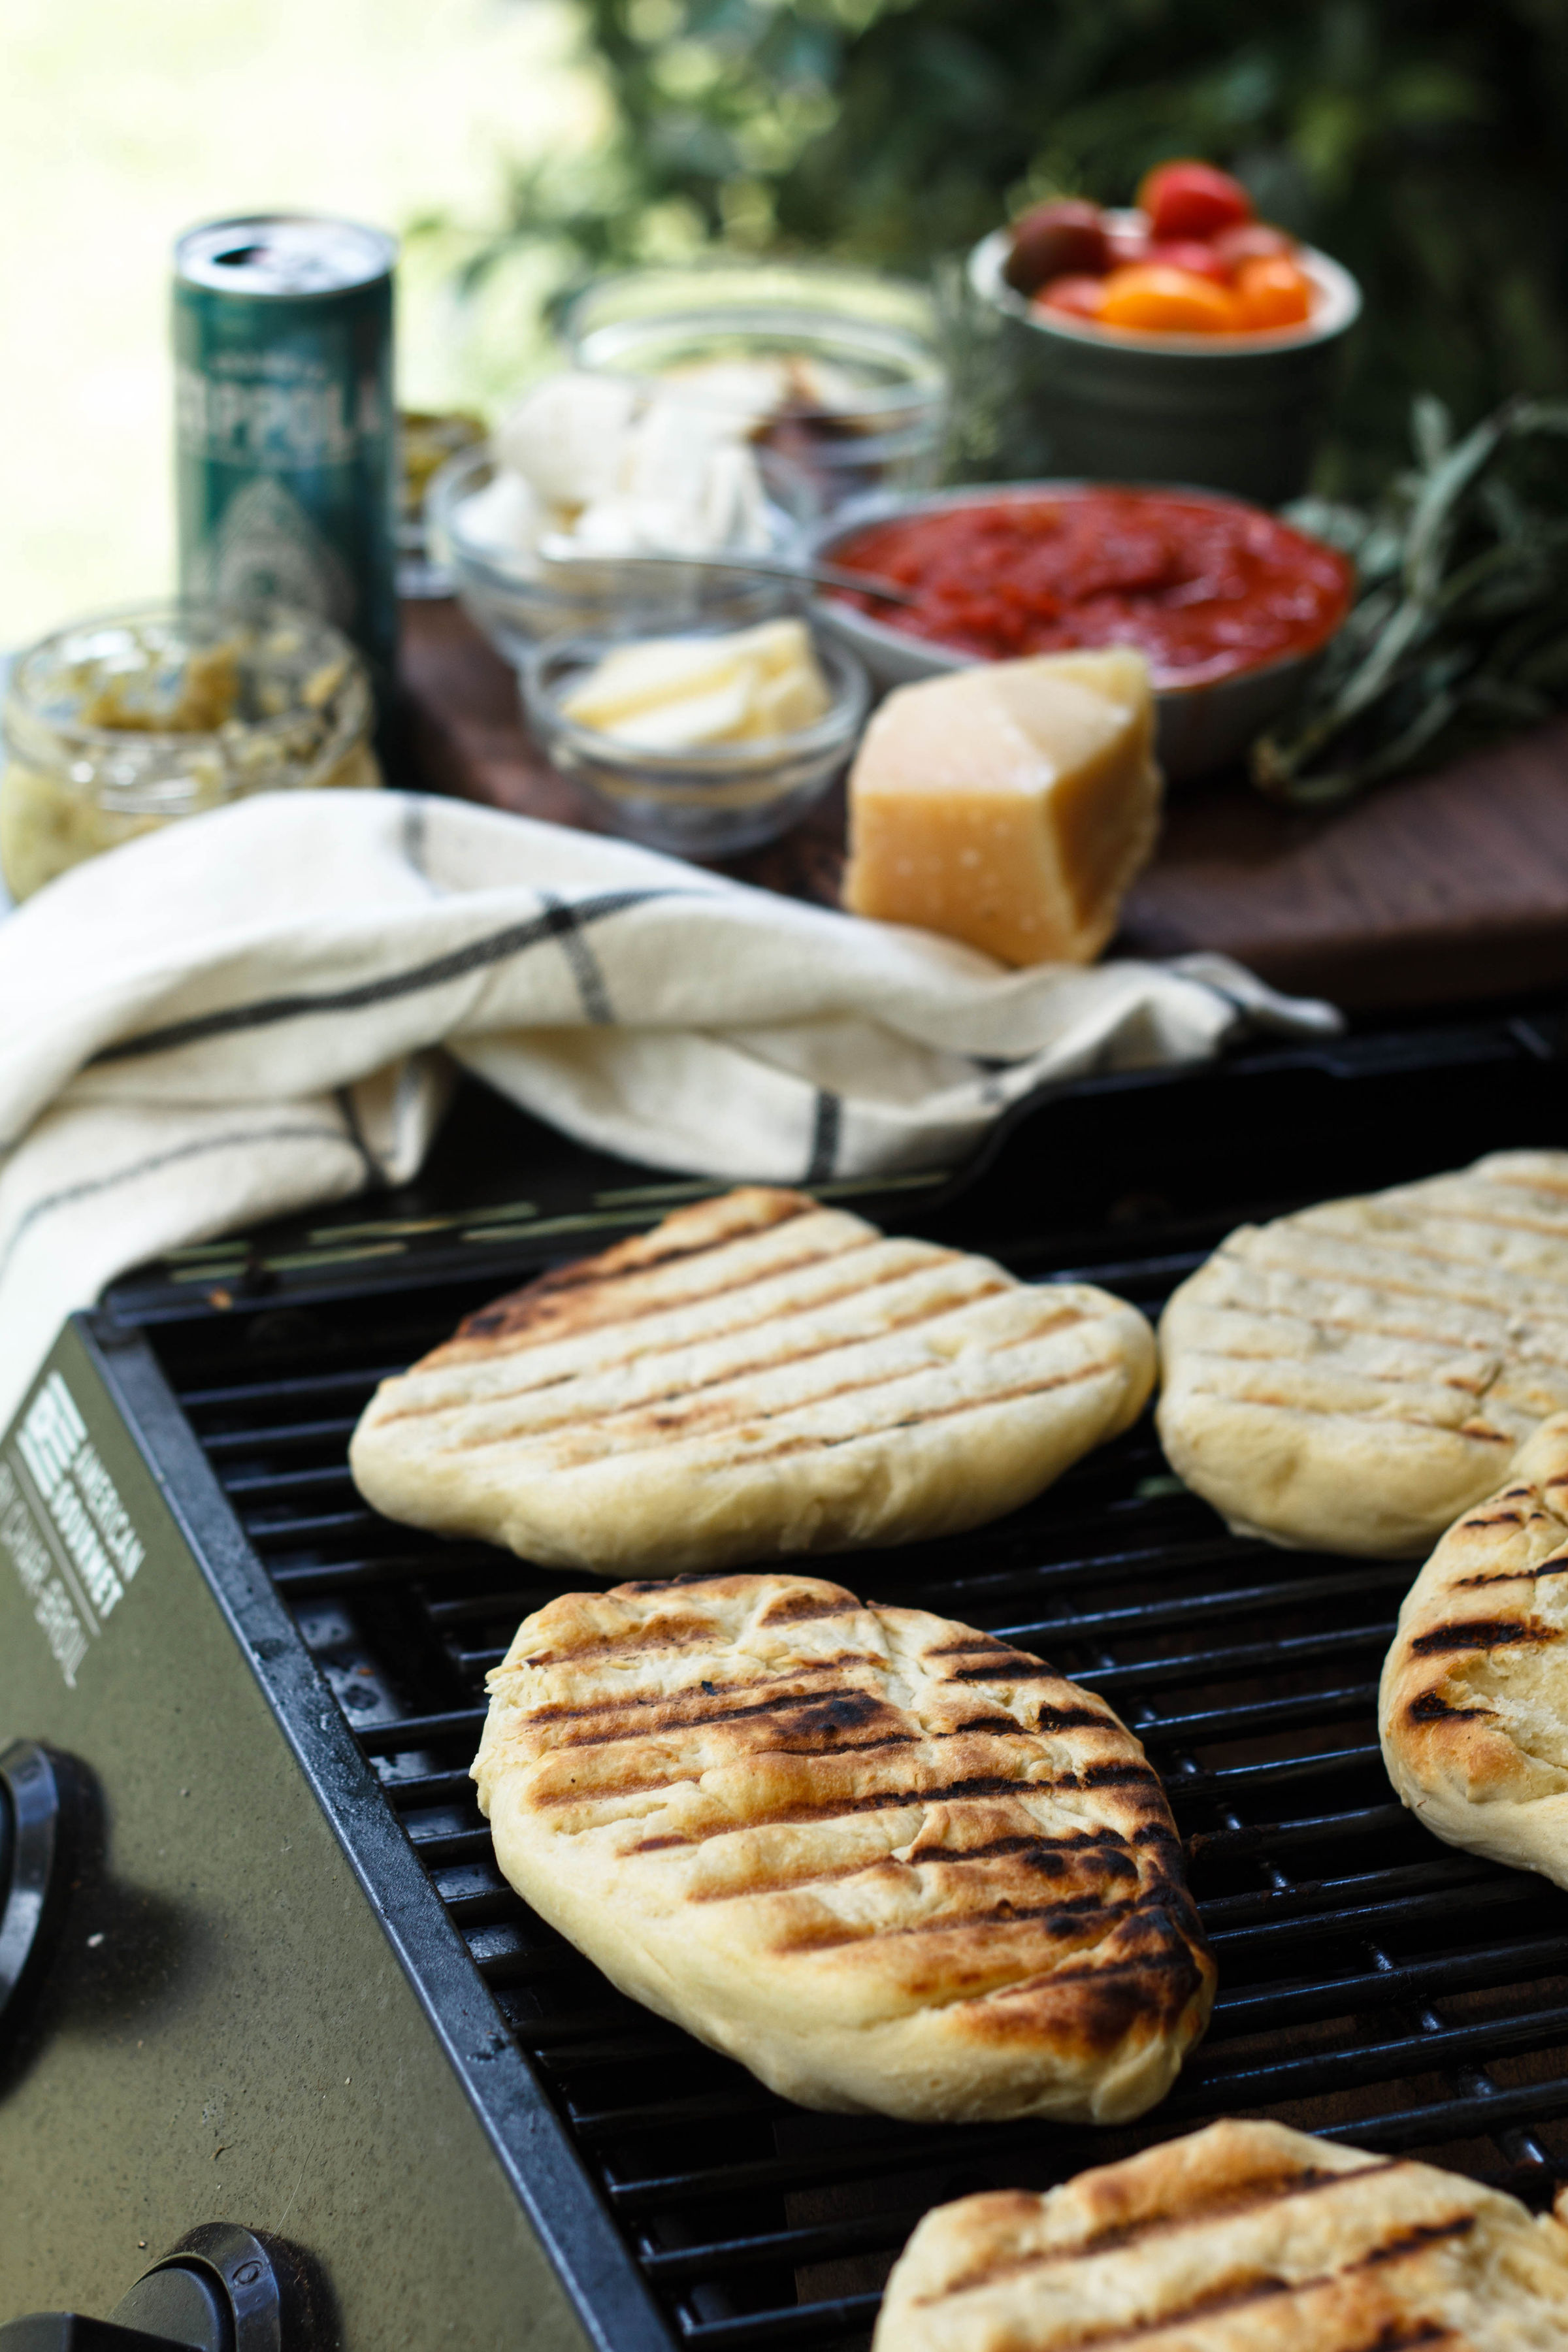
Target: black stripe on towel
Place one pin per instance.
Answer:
(268, 1011)
(584, 964)
(824, 1161)
(92, 1185)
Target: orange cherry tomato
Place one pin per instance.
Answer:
(1079, 296)
(1167, 301)
(1190, 253)
(1273, 293)
(1192, 199)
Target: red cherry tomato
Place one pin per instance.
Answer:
(1079, 296)
(1192, 199)
(1189, 254)
(1253, 241)
(1064, 238)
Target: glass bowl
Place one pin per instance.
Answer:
(877, 337)
(716, 798)
(118, 725)
(522, 601)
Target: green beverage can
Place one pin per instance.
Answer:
(286, 431)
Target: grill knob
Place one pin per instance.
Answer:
(29, 1849)
(221, 2289)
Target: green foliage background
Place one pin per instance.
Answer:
(1419, 141)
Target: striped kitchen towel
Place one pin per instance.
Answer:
(236, 1017)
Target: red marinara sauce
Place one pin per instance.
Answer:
(1205, 587)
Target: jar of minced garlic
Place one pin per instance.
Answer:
(115, 727)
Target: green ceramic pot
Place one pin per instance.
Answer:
(1239, 412)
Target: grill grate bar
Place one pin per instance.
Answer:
(1146, 1617)
(1218, 2083)
(1242, 1658)
(416, 1731)
(1205, 1724)
(819, 2243)
(783, 2325)
(1255, 2007)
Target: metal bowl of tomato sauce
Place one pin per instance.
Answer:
(1232, 607)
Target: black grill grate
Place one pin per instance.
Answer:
(1376, 1985)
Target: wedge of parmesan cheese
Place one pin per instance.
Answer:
(1009, 805)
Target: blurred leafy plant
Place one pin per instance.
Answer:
(1460, 628)
(1418, 140)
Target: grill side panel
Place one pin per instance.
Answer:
(225, 2031)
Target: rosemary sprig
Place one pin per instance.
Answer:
(1460, 627)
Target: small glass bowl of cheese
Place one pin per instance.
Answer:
(117, 726)
(702, 743)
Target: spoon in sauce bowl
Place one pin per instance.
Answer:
(556, 549)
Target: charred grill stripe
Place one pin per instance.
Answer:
(1264, 1311)
(1430, 1707)
(557, 1306)
(1009, 1667)
(1333, 1280)
(1479, 1634)
(1061, 1917)
(643, 1255)
(1347, 1413)
(1556, 1566)
(1270, 2287)
(772, 1318)
(937, 1412)
(700, 1629)
(1107, 1847)
(1347, 1373)
(1073, 1841)
(623, 1700)
(721, 1417)
(1283, 2189)
(825, 1711)
(831, 1809)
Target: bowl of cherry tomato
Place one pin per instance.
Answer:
(1180, 339)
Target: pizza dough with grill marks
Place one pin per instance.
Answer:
(1353, 1377)
(1246, 2237)
(1473, 1709)
(890, 1863)
(757, 1376)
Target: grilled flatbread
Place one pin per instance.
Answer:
(756, 1376)
(1247, 2237)
(1473, 1712)
(1356, 1375)
(887, 1863)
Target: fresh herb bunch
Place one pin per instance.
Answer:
(1460, 629)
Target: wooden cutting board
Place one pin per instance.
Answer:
(1440, 889)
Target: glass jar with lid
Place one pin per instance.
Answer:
(117, 726)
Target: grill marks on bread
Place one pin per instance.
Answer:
(1358, 1373)
(756, 1376)
(1473, 1708)
(1244, 2237)
(818, 1836)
